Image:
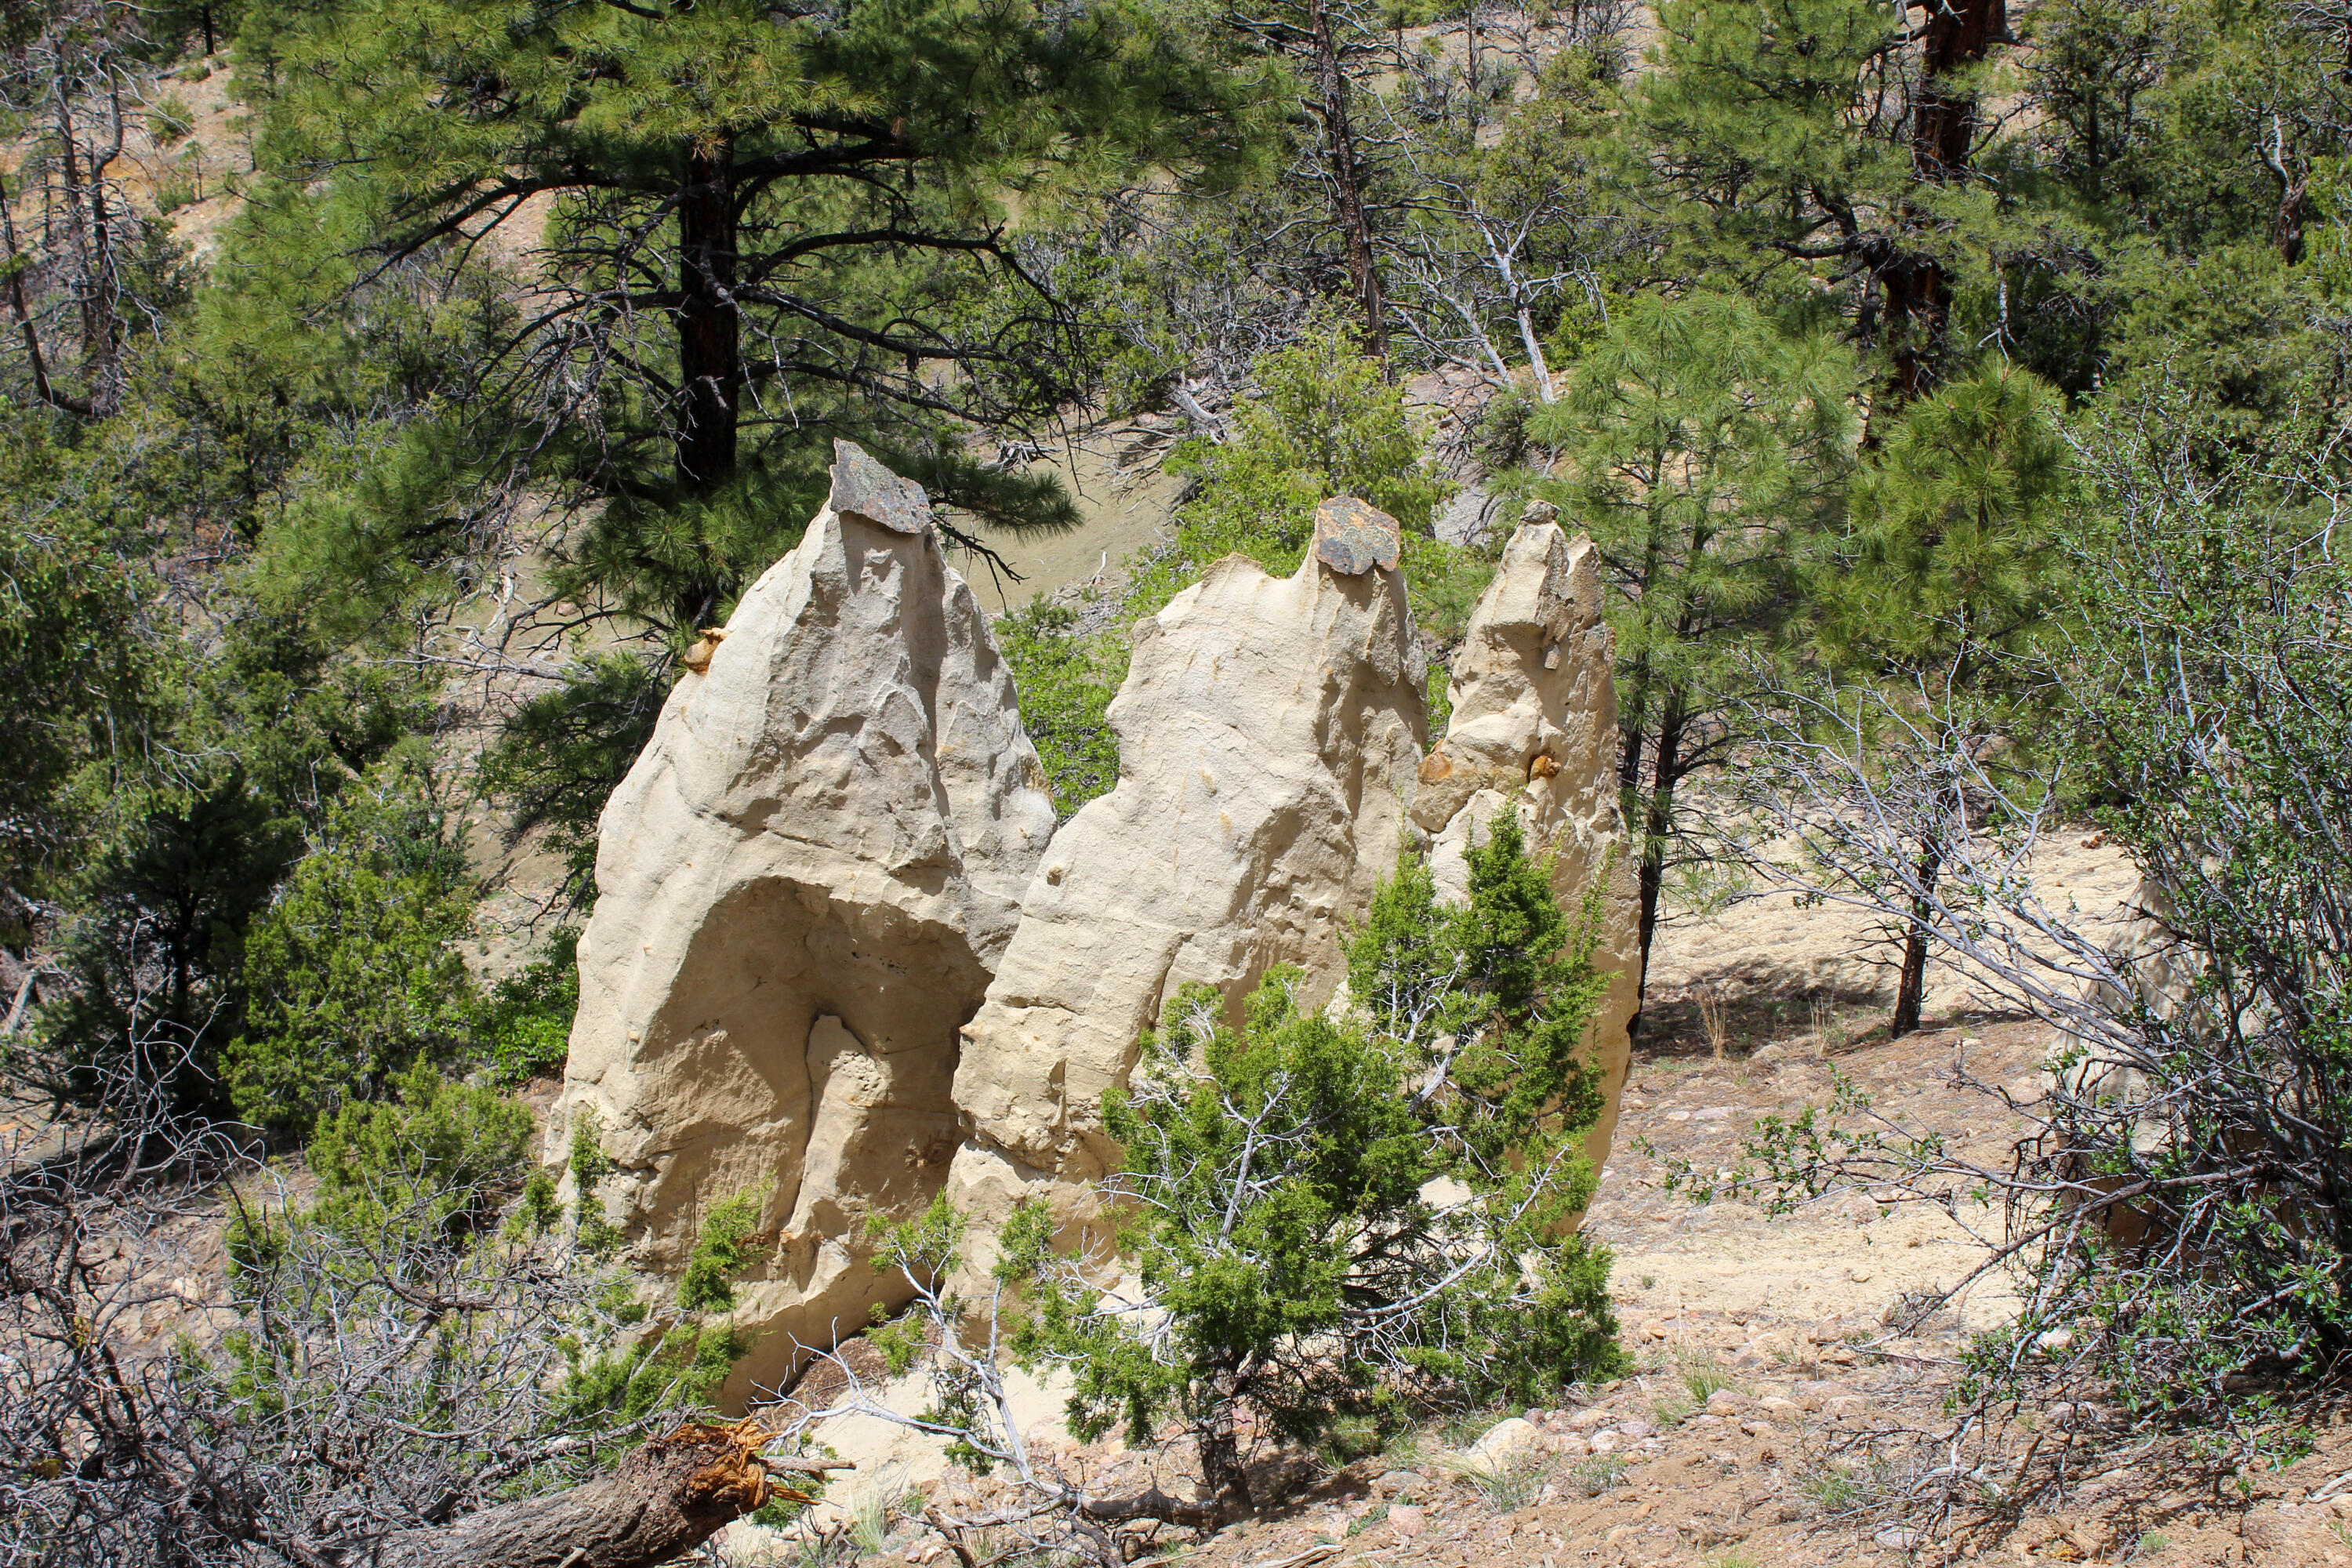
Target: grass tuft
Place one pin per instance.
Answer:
(1603, 1473)
(1507, 1481)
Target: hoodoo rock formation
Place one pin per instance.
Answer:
(803, 885)
(835, 959)
(1534, 728)
(1268, 731)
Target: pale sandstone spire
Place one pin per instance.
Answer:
(1534, 726)
(1268, 731)
(803, 886)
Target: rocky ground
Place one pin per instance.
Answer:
(1777, 1414)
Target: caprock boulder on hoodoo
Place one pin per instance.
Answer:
(803, 885)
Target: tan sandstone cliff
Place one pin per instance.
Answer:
(834, 855)
(803, 885)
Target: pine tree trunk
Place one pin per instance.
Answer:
(1221, 1460)
(1657, 822)
(1944, 121)
(1632, 722)
(1918, 303)
(2295, 189)
(1347, 179)
(1911, 985)
(1634, 715)
(709, 325)
(1942, 134)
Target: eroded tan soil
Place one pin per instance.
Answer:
(1820, 1409)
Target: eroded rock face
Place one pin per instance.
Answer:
(1534, 729)
(803, 885)
(1268, 732)
(835, 959)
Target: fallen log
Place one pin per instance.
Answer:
(663, 1500)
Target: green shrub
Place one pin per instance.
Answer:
(719, 1255)
(589, 1164)
(1324, 423)
(1066, 682)
(683, 1366)
(525, 1022)
(169, 119)
(416, 1175)
(352, 971)
(439, 1157)
(1279, 1171)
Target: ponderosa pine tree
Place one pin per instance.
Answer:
(1829, 135)
(1780, 128)
(1944, 570)
(730, 227)
(1707, 453)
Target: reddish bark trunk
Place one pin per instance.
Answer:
(1957, 36)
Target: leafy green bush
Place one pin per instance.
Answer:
(442, 1155)
(1324, 423)
(169, 119)
(690, 1357)
(589, 1164)
(1277, 1176)
(688, 1360)
(524, 1025)
(354, 971)
(719, 1253)
(681, 1367)
(1065, 683)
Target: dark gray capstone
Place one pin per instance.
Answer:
(864, 488)
(1352, 536)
